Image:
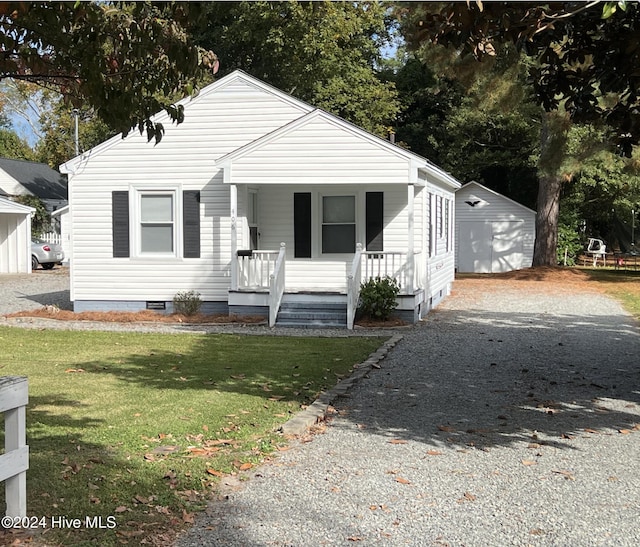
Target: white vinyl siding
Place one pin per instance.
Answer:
(216, 123)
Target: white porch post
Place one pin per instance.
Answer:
(233, 189)
(411, 266)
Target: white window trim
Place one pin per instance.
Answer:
(136, 220)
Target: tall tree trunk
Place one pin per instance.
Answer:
(553, 150)
(548, 205)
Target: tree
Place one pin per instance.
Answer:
(57, 144)
(128, 61)
(324, 53)
(12, 146)
(585, 53)
(477, 121)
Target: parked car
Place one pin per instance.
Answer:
(45, 254)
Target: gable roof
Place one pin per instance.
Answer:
(38, 178)
(497, 194)
(163, 117)
(11, 207)
(340, 124)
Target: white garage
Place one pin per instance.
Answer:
(15, 237)
(493, 233)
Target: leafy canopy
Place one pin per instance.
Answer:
(127, 60)
(587, 52)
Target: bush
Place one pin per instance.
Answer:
(378, 297)
(569, 241)
(187, 303)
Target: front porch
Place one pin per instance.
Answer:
(264, 282)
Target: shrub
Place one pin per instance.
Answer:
(378, 297)
(187, 303)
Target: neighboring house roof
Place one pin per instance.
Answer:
(473, 183)
(37, 179)
(11, 207)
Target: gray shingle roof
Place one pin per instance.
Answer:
(38, 178)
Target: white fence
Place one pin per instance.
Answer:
(51, 237)
(14, 396)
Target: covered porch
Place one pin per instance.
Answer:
(318, 261)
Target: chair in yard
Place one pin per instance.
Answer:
(597, 249)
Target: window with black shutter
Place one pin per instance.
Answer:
(302, 225)
(191, 223)
(374, 221)
(120, 223)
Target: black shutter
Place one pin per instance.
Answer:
(302, 225)
(120, 223)
(374, 221)
(191, 223)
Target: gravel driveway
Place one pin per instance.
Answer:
(507, 418)
(32, 291)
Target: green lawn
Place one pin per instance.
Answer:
(623, 285)
(141, 427)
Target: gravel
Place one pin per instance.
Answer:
(22, 292)
(504, 419)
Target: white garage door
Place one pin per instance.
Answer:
(490, 247)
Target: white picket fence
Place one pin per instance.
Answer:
(51, 237)
(14, 396)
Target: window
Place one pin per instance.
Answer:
(157, 223)
(338, 224)
(153, 223)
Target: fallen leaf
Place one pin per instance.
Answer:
(434, 453)
(245, 466)
(355, 538)
(624, 431)
(215, 473)
(468, 496)
(529, 462)
(187, 517)
(402, 480)
(566, 474)
(588, 430)
(120, 509)
(446, 428)
(397, 441)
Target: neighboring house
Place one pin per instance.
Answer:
(28, 178)
(15, 237)
(261, 204)
(493, 233)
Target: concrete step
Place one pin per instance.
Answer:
(312, 315)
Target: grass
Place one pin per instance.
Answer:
(623, 285)
(141, 427)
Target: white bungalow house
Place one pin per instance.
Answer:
(261, 204)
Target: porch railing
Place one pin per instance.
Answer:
(14, 396)
(396, 265)
(276, 286)
(353, 286)
(255, 269)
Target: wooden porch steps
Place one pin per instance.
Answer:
(312, 315)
